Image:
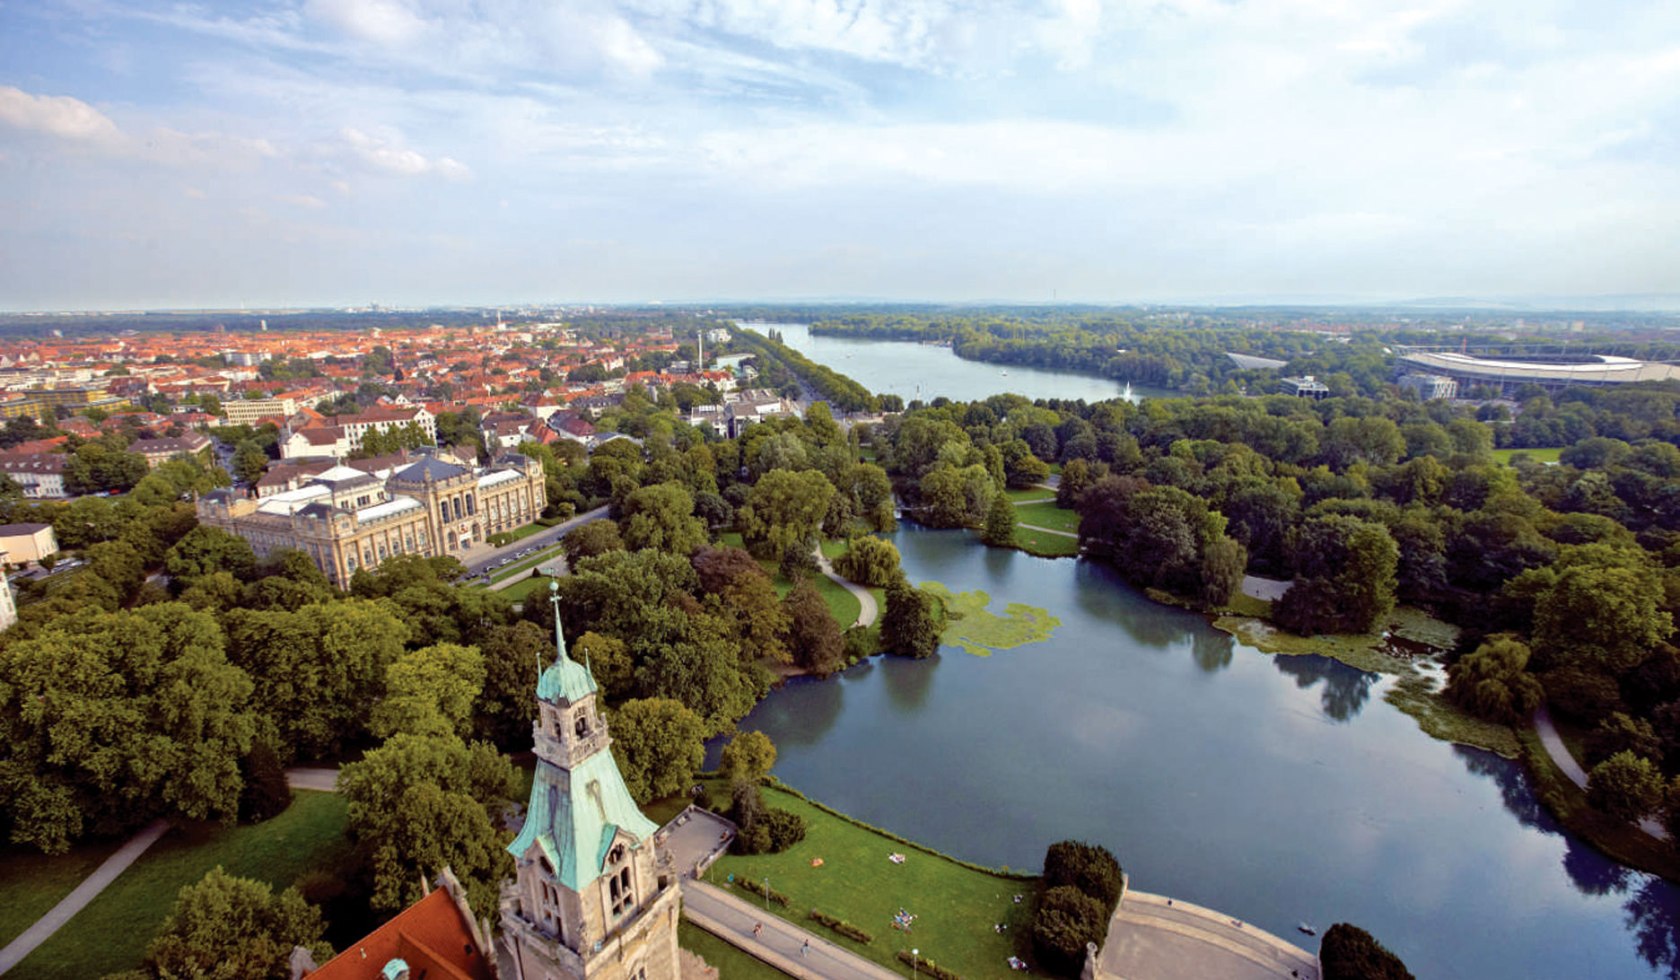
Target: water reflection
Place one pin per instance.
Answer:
(907, 681)
(1212, 650)
(1346, 689)
(997, 562)
(1591, 872)
(1514, 790)
(1653, 916)
(805, 712)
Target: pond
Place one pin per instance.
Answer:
(1275, 789)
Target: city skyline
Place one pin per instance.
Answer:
(333, 153)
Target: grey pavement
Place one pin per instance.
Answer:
(313, 778)
(479, 560)
(81, 895)
(867, 609)
(1269, 589)
(1155, 938)
(1565, 761)
(779, 943)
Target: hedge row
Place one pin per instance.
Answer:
(841, 926)
(759, 890)
(921, 964)
(959, 862)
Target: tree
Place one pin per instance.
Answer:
(206, 550)
(608, 658)
(228, 928)
(1626, 786)
(662, 516)
(1091, 868)
(913, 622)
(590, 539)
(784, 511)
(507, 705)
(430, 691)
(249, 462)
(812, 634)
(659, 745)
(114, 718)
(1066, 922)
(736, 588)
(1350, 953)
(999, 531)
(748, 758)
(1494, 682)
(1603, 616)
(1344, 576)
(957, 497)
(869, 561)
(418, 803)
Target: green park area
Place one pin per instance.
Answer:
(112, 933)
(521, 591)
(730, 962)
(1537, 455)
(34, 882)
(1045, 544)
(842, 605)
(1047, 514)
(955, 907)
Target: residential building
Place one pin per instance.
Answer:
(250, 411)
(160, 451)
(341, 435)
(24, 543)
(1305, 386)
(346, 519)
(743, 408)
(594, 896)
(41, 475)
(1429, 386)
(568, 425)
(8, 602)
(435, 937)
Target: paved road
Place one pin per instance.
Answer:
(867, 609)
(81, 895)
(542, 539)
(779, 943)
(1562, 758)
(1155, 938)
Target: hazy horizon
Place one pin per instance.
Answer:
(332, 153)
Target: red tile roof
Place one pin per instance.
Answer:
(430, 936)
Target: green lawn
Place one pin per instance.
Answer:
(1044, 544)
(112, 933)
(1538, 455)
(1048, 515)
(955, 906)
(527, 564)
(842, 605)
(1018, 497)
(731, 963)
(34, 882)
(536, 583)
(509, 537)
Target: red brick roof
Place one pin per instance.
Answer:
(430, 936)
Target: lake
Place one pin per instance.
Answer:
(1274, 789)
(926, 371)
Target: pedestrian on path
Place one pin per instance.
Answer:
(758, 927)
(805, 950)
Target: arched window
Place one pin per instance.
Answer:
(618, 882)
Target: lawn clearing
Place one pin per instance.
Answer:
(34, 882)
(955, 905)
(522, 591)
(842, 605)
(1045, 544)
(731, 963)
(1030, 495)
(1048, 515)
(112, 933)
(508, 537)
(1549, 455)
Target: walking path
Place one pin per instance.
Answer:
(1153, 937)
(81, 895)
(779, 943)
(867, 609)
(1562, 758)
(1048, 530)
(311, 778)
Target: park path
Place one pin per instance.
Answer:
(81, 895)
(1562, 758)
(1047, 530)
(867, 608)
(313, 778)
(779, 943)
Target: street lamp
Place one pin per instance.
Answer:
(766, 894)
(915, 954)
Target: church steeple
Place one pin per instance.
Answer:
(590, 880)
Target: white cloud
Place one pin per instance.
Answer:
(390, 156)
(307, 201)
(387, 22)
(58, 115)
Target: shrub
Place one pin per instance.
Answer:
(265, 794)
(1067, 920)
(1350, 953)
(922, 964)
(1091, 868)
(757, 888)
(841, 926)
(870, 561)
(785, 827)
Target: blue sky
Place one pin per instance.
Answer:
(328, 152)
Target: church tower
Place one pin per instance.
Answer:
(592, 898)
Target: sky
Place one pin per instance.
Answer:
(419, 152)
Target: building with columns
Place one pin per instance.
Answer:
(594, 898)
(346, 519)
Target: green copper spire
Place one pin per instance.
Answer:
(565, 680)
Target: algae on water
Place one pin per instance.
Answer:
(975, 628)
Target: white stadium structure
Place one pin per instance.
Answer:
(1508, 374)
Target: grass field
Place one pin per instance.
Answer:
(112, 933)
(1538, 455)
(731, 963)
(1019, 497)
(955, 906)
(536, 583)
(527, 564)
(1048, 515)
(518, 533)
(33, 882)
(1044, 544)
(842, 605)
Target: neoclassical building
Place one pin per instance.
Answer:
(346, 519)
(592, 898)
